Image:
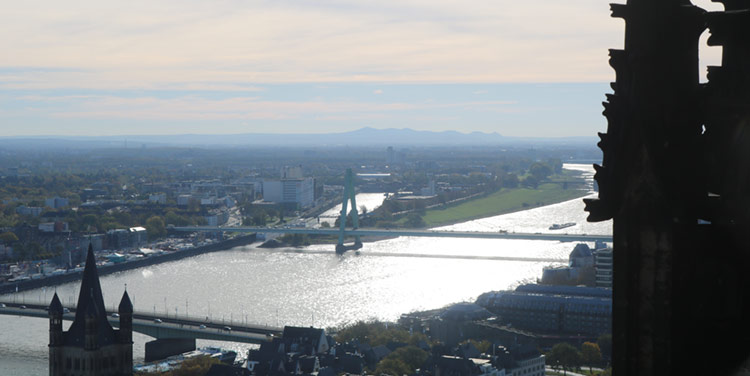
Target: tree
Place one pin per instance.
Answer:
(605, 345)
(557, 165)
(510, 180)
(259, 218)
(196, 366)
(360, 331)
(155, 228)
(591, 354)
(35, 250)
(172, 218)
(540, 171)
(483, 346)
(90, 223)
(442, 198)
(414, 220)
(410, 356)
(8, 238)
(530, 182)
(194, 205)
(392, 366)
(565, 355)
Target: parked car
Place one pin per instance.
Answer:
(115, 315)
(22, 307)
(202, 327)
(158, 321)
(227, 328)
(2, 305)
(66, 310)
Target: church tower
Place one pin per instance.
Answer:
(91, 346)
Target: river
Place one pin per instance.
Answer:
(370, 201)
(313, 286)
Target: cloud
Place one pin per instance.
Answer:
(378, 92)
(251, 108)
(150, 44)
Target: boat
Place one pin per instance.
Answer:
(558, 226)
(173, 362)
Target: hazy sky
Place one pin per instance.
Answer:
(520, 68)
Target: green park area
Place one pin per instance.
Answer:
(506, 200)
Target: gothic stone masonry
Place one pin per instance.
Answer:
(675, 179)
(91, 346)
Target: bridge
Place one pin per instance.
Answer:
(563, 237)
(164, 326)
(357, 233)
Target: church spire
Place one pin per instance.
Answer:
(91, 290)
(90, 302)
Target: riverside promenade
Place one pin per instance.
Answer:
(18, 286)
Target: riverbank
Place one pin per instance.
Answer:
(501, 202)
(7, 288)
(498, 203)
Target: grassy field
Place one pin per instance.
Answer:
(500, 202)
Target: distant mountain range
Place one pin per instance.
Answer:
(360, 137)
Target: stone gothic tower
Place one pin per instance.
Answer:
(675, 179)
(91, 346)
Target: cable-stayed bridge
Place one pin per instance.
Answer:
(356, 232)
(405, 232)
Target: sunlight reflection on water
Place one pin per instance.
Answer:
(313, 286)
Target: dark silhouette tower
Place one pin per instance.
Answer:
(55, 335)
(125, 333)
(90, 346)
(675, 179)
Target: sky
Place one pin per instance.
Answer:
(520, 68)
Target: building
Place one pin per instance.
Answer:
(296, 352)
(56, 202)
(56, 226)
(286, 191)
(580, 269)
(292, 188)
(393, 157)
(126, 238)
(520, 360)
(159, 198)
(450, 326)
(217, 218)
(208, 201)
(31, 211)
(603, 267)
(554, 309)
(309, 341)
(184, 200)
(91, 346)
(293, 172)
(581, 256)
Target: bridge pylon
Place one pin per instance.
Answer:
(348, 196)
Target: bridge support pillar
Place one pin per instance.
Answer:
(165, 347)
(349, 195)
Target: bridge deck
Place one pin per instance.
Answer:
(169, 327)
(403, 232)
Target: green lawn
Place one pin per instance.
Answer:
(500, 202)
